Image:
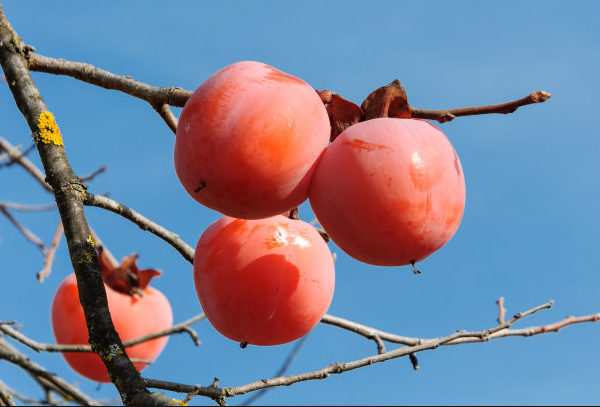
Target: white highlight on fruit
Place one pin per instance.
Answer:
(281, 237)
(417, 160)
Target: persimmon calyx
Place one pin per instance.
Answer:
(126, 278)
(390, 100)
(342, 113)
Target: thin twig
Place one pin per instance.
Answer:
(144, 223)
(281, 371)
(93, 174)
(6, 398)
(14, 357)
(167, 115)
(49, 257)
(501, 310)
(12, 155)
(27, 208)
(499, 331)
(29, 235)
(504, 108)
(20, 397)
(25, 163)
(45, 347)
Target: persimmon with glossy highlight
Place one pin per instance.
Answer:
(133, 316)
(263, 282)
(248, 141)
(389, 192)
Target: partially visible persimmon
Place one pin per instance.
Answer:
(145, 311)
(248, 141)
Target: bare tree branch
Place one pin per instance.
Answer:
(501, 310)
(27, 208)
(25, 163)
(88, 73)
(68, 190)
(49, 257)
(45, 347)
(93, 174)
(159, 98)
(418, 345)
(6, 398)
(167, 115)
(447, 115)
(14, 357)
(16, 152)
(29, 235)
(286, 364)
(144, 223)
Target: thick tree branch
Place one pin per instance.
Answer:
(67, 190)
(88, 73)
(144, 223)
(159, 98)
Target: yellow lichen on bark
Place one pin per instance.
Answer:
(48, 129)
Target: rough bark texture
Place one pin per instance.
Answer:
(69, 192)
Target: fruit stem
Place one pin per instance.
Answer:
(415, 271)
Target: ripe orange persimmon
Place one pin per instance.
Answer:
(133, 316)
(263, 282)
(248, 140)
(389, 191)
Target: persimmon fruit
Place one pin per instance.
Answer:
(133, 316)
(263, 282)
(389, 191)
(248, 141)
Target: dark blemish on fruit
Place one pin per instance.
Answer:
(244, 345)
(456, 165)
(202, 185)
(363, 145)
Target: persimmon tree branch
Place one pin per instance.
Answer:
(29, 235)
(67, 189)
(389, 100)
(508, 107)
(49, 257)
(46, 347)
(20, 159)
(144, 223)
(173, 96)
(27, 208)
(14, 357)
(159, 98)
(6, 398)
(416, 345)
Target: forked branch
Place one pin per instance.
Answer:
(417, 345)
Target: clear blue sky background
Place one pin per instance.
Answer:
(530, 231)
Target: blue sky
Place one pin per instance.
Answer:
(530, 231)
